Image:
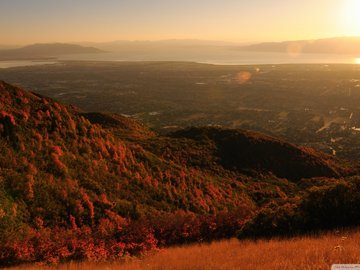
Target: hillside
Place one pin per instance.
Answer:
(63, 176)
(37, 51)
(57, 142)
(77, 185)
(124, 127)
(311, 105)
(342, 45)
(245, 150)
(239, 151)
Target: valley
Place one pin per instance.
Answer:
(154, 155)
(312, 105)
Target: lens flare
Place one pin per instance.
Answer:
(243, 77)
(294, 49)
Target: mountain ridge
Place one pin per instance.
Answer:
(249, 150)
(337, 45)
(45, 50)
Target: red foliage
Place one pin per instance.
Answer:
(43, 100)
(25, 114)
(57, 162)
(57, 150)
(73, 223)
(96, 209)
(60, 245)
(30, 186)
(88, 203)
(9, 116)
(72, 124)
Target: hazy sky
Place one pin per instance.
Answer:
(30, 21)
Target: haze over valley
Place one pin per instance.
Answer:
(332, 50)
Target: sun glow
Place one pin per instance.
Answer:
(350, 17)
(357, 61)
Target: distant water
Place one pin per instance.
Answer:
(9, 64)
(220, 57)
(204, 55)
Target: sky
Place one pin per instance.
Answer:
(36, 21)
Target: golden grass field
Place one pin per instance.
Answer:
(303, 253)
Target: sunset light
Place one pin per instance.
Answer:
(237, 21)
(192, 134)
(350, 17)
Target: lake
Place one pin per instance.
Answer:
(23, 63)
(201, 55)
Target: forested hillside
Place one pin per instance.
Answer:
(77, 185)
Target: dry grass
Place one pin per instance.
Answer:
(303, 253)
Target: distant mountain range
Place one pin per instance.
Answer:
(337, 45)
(40, 51)
(341, 45)
(123, 45)
(189, 48)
